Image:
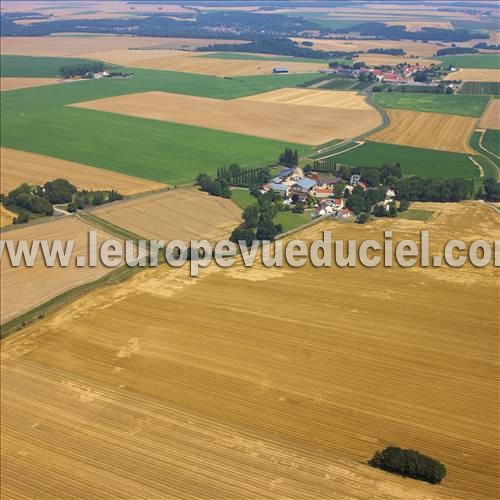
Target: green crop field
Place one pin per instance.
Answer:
(256, 57)
(481, 88)
(462, 105)
(289, 220)
(491, 141)
(38, 120)
(413, 161)
(490, 163)
(340, 84)
(242, 197)
(481, 61)
(32, 67)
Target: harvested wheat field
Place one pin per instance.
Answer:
(379, 59)
(420, 25)
(98, 45)
(195, 62)
(183, 214)
(21, 166)
(23, 83)
(305, 124)
(411, 48)
(24, 288)
(491, 117)
(307, 97)
(427, 130)
(6, 216)
(168, 386)
(475, 75)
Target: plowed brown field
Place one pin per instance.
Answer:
(491, 117)
(23, 288)
(427, 130)
(178, 214)
(263, 383)
(20, 166)
(306, 124)
(23, 83)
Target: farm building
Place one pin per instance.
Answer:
(329, 181)
(278, 188)
(322, 192)
(345, 213)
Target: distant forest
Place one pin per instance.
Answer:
(280, 46)
(220, 24)
(229, 25)
(381, 30)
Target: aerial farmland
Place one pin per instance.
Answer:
(248, 136)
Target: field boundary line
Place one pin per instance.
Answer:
(481, 171)
(487, 154)
(356, 145)
(486, 149)
(53, 305)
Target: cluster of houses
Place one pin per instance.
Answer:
(293, 186)
(100, 74)
(402, 74)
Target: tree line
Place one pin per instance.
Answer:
(389, 52)
(234, 175)
(451, 51)
(280, 46)
(27, 200)
(259, 219)
(75, 70)
(399, 32)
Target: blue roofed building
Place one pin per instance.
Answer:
(306, 184)
(285, 172)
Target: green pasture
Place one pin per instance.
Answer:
(289, 220)
(415, 214)
(413, 161)
(462, 105)
(491, 141)
(39, 120)
(479, 61)
(242, 197)
(33, 67)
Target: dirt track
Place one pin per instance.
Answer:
(21, 166)
(427, 130)
(302, 123)
(262, 380)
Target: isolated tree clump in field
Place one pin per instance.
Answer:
(409, 463)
